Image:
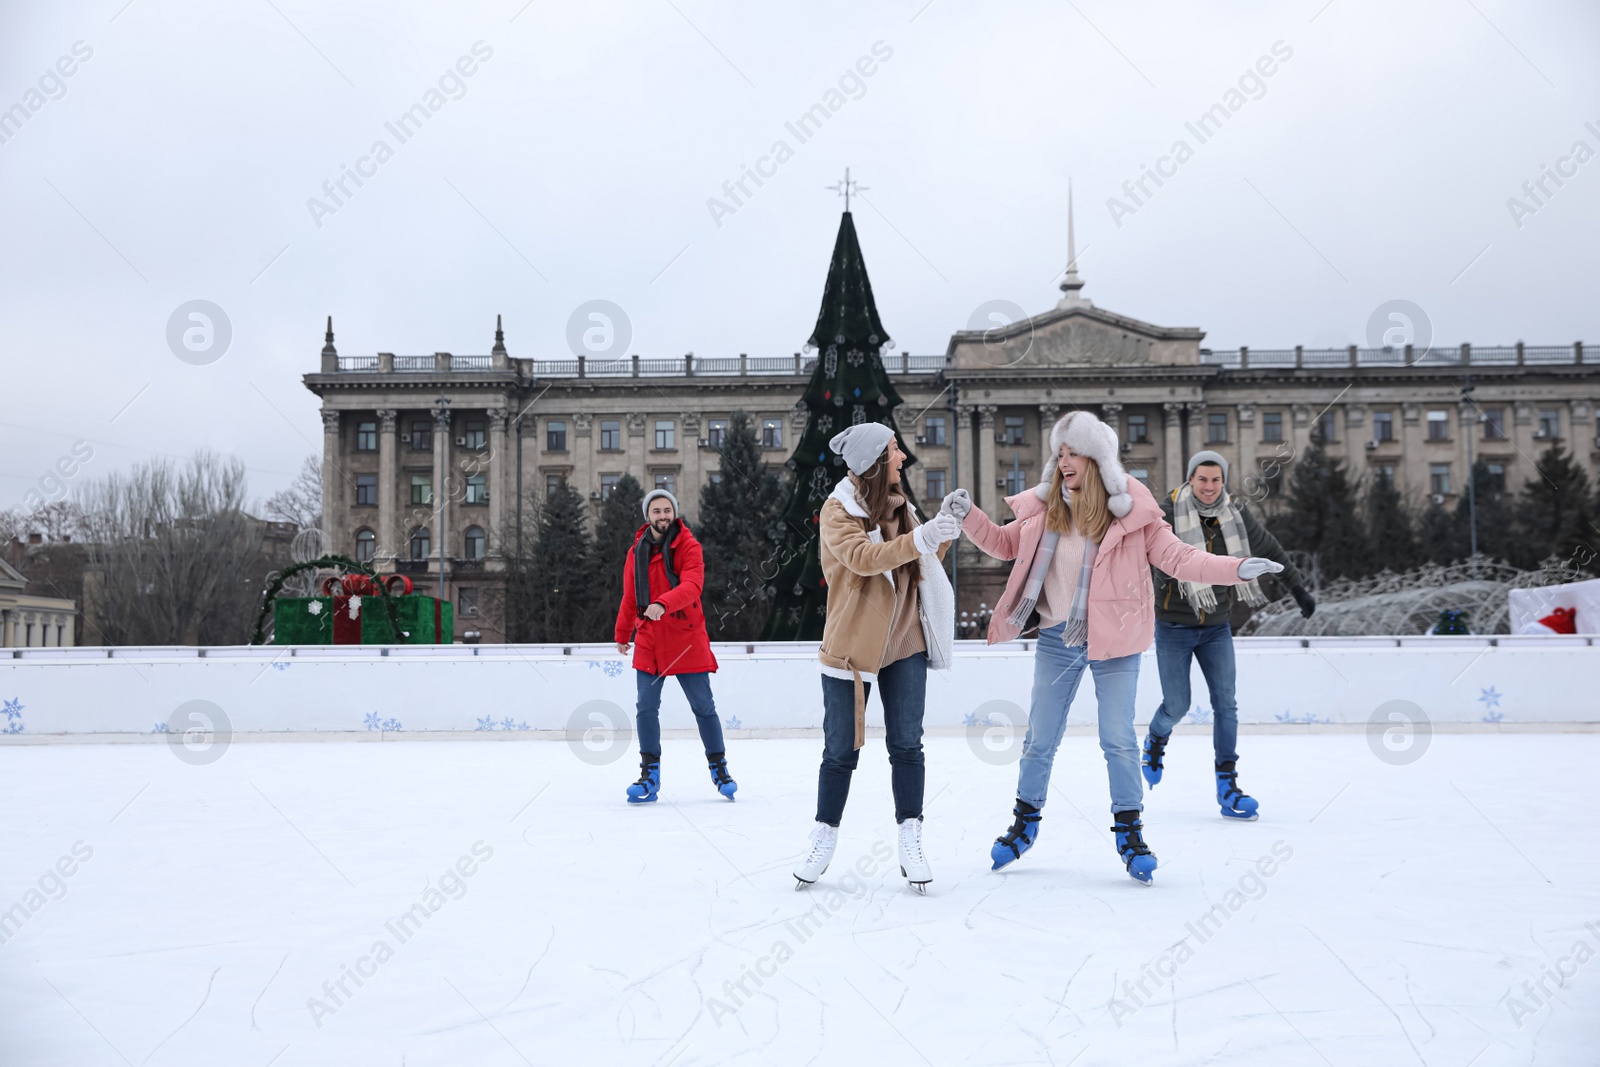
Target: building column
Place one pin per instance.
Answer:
(384, 550)
(1247, 477)
(8, 628)
(495, 480)
(1355, 441)
(1172, 463)
(986, 468)
(1413, 472)
(1048, 414)
(1195, 436)
(1522, 436)
(1583, 438)
(441, 470)
(964, 454)
(689, 459)
(331, 496)
(636, 450)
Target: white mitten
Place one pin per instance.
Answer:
(936, 531)
(957, 503)
(1255, 567)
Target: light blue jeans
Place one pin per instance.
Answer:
(1057, 669)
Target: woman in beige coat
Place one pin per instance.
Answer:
(891, 616)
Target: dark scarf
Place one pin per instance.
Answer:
(641, 564)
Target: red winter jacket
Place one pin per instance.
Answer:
(677, 642)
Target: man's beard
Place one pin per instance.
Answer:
(658, 529)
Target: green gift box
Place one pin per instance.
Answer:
(296, 622)
(423, 620)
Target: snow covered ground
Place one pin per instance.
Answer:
(1380, 913)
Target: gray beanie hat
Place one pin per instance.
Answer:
(1206, 456)
(652, 494)
(862, 444)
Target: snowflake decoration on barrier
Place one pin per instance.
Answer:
(12, 727)
(485, 723)
(1200, 715)
(278, 665)
(374, 722)
(12, 708)
(733, 722)
(160, 728)
(512, 724)
(1489, 698)
(610, 667)
(1301, 720)
(1494, 716)
(972, 719)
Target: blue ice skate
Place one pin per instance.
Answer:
(1136, 856)
(719, 774)
(1232, 800)
(1020, 838)
(649, 784)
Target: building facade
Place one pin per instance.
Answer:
(422, 447)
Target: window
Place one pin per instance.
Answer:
(611, 435)
(668, 481)
(1494, 477)
(421, 435)
(1138, 429)
(1272, 478)
(366, 437)
(474, 436)
(366, 490)
(608, 482)
(933, 430)
(1383, 426)
(1327, 426)
(1439, 478)
(1494, 424)
(771, 433)
(467, 599)
(714, 478)
(717, 433)
(1141, 474)
(1384, 472)
(476, 542)
(366, 545)
(477, 489)
(1016, 481)
(1438, 426)
(1216, 429)
(422, 488)
(1272, 426)
(1549, 424)
(1013, 430)
(666, 435)
(552, 482)
(555, 437)
(419, 543)
(936, 485)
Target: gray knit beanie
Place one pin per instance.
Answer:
(1206, 456)
(862, 444)
(652, 494)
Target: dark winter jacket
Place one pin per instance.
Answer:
(677, 642)
(1170, 604)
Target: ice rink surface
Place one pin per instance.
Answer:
(496, 903)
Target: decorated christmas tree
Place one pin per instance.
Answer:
(848, 386)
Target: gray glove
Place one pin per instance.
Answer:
(1255, 567)
(957, 503)
(936, 531)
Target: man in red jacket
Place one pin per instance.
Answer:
(660, 617)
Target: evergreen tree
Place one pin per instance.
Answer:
(848, 385)
(1555, 514)
(1496, 518)
(620, 519)
(562, 588)
(738, 523)
(1390, 530)
(1443, 538)
(1319, 515)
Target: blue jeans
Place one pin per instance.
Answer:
(697, 687)
(1057, 669)
(903, 685)
(1213, 647)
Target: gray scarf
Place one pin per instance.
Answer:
(1186, 515)
(1077, 631)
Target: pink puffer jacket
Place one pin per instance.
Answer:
(1122, 612)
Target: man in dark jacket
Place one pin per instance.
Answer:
(1192, 621)
(660, 616)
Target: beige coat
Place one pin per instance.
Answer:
(856, 564)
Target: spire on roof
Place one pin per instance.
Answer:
(499, 338)
(327, 348)
(1071, 284)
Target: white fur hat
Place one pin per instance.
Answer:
(1088, 436)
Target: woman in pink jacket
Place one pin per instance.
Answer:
(1084, 542)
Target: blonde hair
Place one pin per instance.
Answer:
(1092, 515)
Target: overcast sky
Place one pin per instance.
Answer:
(578, 161)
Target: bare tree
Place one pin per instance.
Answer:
(301, 502)
(179, 559)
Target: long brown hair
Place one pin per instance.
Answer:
(874, 490)
(1092, 513)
